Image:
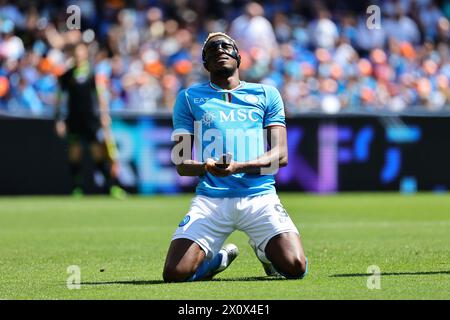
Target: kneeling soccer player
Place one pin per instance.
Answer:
(239, 194)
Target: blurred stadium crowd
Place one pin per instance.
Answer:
(320, 54)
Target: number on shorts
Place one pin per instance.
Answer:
(279, 208)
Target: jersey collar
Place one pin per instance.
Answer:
(217, 88)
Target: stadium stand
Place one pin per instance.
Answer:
(319, 54)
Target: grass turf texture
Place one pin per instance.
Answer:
(120, 247)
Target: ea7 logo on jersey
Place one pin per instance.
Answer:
(200, 100)
(239, 115)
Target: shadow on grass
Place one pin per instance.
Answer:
(419, 273)
(251, 279)
(155, 282)
(132, 282)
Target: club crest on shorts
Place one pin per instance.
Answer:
(185, 221)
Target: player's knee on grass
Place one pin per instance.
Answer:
(294, 267)
(178, 273)
(286, 253)
(183, 259)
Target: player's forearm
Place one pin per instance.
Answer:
(191, 168)
(103, 104)
(102, 94)
(103, 101)
(272, 159)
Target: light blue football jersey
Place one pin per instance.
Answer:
(229, 121)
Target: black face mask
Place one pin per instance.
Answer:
(228, 48)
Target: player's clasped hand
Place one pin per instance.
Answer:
(215, 168)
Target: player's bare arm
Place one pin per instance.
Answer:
(101, 89)
(276, 156)
(188, 166)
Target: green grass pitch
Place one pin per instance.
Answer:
(120, 247)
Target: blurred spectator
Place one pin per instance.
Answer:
(255, 37)
(11, 46)
(401, 27)
(252, 29)
(323, 31)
